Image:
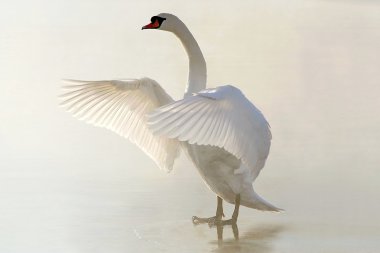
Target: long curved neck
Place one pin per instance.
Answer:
(197, 64)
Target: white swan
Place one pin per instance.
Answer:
(224, 134)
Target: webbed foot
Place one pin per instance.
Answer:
(212, 220)
(220, 222)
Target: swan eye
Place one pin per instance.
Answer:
(157, 19)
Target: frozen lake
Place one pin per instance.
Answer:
(139, 215)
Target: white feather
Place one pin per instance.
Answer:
(121, 106)
(221, 117)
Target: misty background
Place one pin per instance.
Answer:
(311, 66)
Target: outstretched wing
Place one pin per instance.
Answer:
(122, 106)
(221, 117)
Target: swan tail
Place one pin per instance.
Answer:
(253, 200)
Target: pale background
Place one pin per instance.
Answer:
(311, 66)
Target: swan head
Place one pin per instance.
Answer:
(163, 21)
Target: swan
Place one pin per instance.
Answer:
(225, 136)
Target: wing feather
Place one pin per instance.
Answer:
(221, 117)
(122, 106)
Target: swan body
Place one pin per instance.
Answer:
(223, 133)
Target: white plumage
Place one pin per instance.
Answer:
(223, 133)
(221, 117)
(122, 106)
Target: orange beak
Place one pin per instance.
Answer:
(154, 25)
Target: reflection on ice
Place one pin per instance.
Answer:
(258, 239)
(182, 237)
(219, 229)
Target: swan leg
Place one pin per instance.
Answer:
(219, 230)
(217, 218)
(234, 217)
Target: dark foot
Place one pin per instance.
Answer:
(217, 219)
(211, 220)
(222, 222)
